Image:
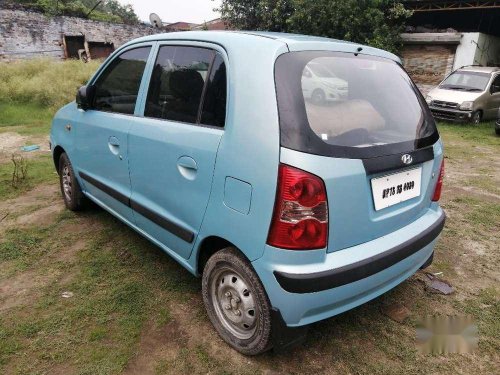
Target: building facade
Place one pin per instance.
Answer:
(25, 34)
(445, 35)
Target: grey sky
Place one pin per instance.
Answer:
(195, 11)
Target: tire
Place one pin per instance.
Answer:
(476, 117)
(318, 96)
(497, 131)
(70, 188)
(230, 285)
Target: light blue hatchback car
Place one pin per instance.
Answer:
(299, 176)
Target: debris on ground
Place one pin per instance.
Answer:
(67, 294)
(30, 148)
(434, 284)
(396, 312)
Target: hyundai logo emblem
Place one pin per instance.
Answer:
(407, 159)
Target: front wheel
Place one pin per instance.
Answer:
(70, 188)
(318, 97)
(476, 117)
(236, 302)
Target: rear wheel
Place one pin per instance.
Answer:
(318, 96)
(476, 117)
(236, 302)
(70, 188)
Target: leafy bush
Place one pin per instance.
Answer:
(374, 22)
(46, 82)
(107, 10)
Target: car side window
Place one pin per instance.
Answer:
(214, 103)
(177, 83)
(117, 87)
(495, 85)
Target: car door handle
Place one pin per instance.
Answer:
(114, 146)
(187, 162)
(187, 167)
(113, 141)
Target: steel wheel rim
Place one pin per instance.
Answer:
(233, 303)
(66, 183)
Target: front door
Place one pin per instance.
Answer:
(494, 102)
(173, 151)
(102, 131)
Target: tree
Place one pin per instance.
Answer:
(125, 12)
(106, 10)
(374, 22)
(378, 23)
(267, 15)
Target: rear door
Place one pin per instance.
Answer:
(374, 148)
(102, 131)
(173, 150)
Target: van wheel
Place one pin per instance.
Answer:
(318, 96)
(236, 302)
(476, 117)
(70, 188)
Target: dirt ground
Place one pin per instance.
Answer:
(11, 143)
(133, 310)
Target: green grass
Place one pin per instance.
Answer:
(478, 213)
(483, 134)
(33, 90)
(44, 82)
(118, 283)
(40, 170)
(25, 119)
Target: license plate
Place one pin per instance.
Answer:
(395, 188)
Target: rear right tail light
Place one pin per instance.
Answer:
(439, 185)
(300, 218)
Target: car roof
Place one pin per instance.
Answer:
(224, 35)
(241, 39)
(480, 69)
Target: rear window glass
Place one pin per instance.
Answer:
(344, 105)
(177, 82)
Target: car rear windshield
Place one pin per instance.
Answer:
(351, 106)
(466, 81)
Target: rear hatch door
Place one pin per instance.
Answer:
(375, 146)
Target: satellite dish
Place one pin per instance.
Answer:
(155, 20)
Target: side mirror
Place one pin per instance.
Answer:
(85, 97)
(495, 89)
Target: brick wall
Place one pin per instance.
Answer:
(26, 34)
(428, 65)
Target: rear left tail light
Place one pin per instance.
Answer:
(439, 185)
(300, 218)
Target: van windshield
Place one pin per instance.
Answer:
(466, 81)
(361, 106)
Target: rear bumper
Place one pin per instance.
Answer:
(319, 281)
(308, 286)
(451, 114)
